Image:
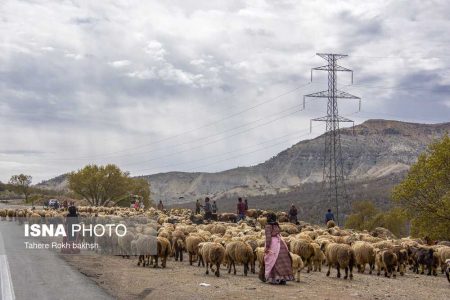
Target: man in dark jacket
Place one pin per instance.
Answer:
(293, 214)
(207, 208)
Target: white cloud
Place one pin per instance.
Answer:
(119, 63)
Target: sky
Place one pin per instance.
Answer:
(158, 86)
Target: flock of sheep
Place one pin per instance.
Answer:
(212, 244)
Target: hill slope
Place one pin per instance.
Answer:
(374, 150)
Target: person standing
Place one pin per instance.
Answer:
(293, 214)
(214, 207)
(160, 205)
(197, 207)
(207, 209)
(136, 205)
(241, 210)
(329, 216)
(246, 205)
(277, 260)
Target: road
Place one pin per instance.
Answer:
(38, 273)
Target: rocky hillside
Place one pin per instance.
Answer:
(373, 150)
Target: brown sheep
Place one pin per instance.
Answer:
(297, 265)
(340, 256)
(178, 244)
(242, 253)
(212, 254)
(331, 224)
(386, 259)
(192, 242)
(164, 251)
(305, 250)
(318, 258)
(364, 254)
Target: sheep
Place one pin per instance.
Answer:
(144, 246)
(124, 243)
(364, 254)
(192, 242)
(240, 252)
(318, 258)
(304, 249)
(212, 254)
(444, 254)
(178, 244)
(402, 259)
(422, 257)
(331, 224)
(387, 260)
(340, 256)
(163, 251)
(297, 265)
(3, 214)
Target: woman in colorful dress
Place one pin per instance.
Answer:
(277, 261)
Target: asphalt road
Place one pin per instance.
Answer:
(38, 273)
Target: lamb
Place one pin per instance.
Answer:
(297, 265)
(305, 250)
(386, 259)
(239, 252)
(340, 256)
(364, 254)
(212, 254)
(318, 258)
(402, 259)
(192, 242)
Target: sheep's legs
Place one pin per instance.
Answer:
(217, 272)
(329, 270)
(338, 267)
(190, 258)
(207, 269)
(245, 269)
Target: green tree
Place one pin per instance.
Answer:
(141, 187)
(362, 216)
(21, 184)
(103, 185)
(425, 192)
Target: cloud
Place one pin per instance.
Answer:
(128, 81)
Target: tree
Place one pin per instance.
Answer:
(21, 184)
(425, 192)
(102, 185)
(141, 187)
(362, 217)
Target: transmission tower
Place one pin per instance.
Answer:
(333, 167)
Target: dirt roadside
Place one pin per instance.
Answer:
(123, 279)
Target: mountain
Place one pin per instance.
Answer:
(372, 151)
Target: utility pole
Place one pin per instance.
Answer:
(333, 167)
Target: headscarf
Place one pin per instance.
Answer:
(272, 219)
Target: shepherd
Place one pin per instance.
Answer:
(277, 261)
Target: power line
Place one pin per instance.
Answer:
(217, 140)
(191, 130)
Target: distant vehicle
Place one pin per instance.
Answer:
(53, 203)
